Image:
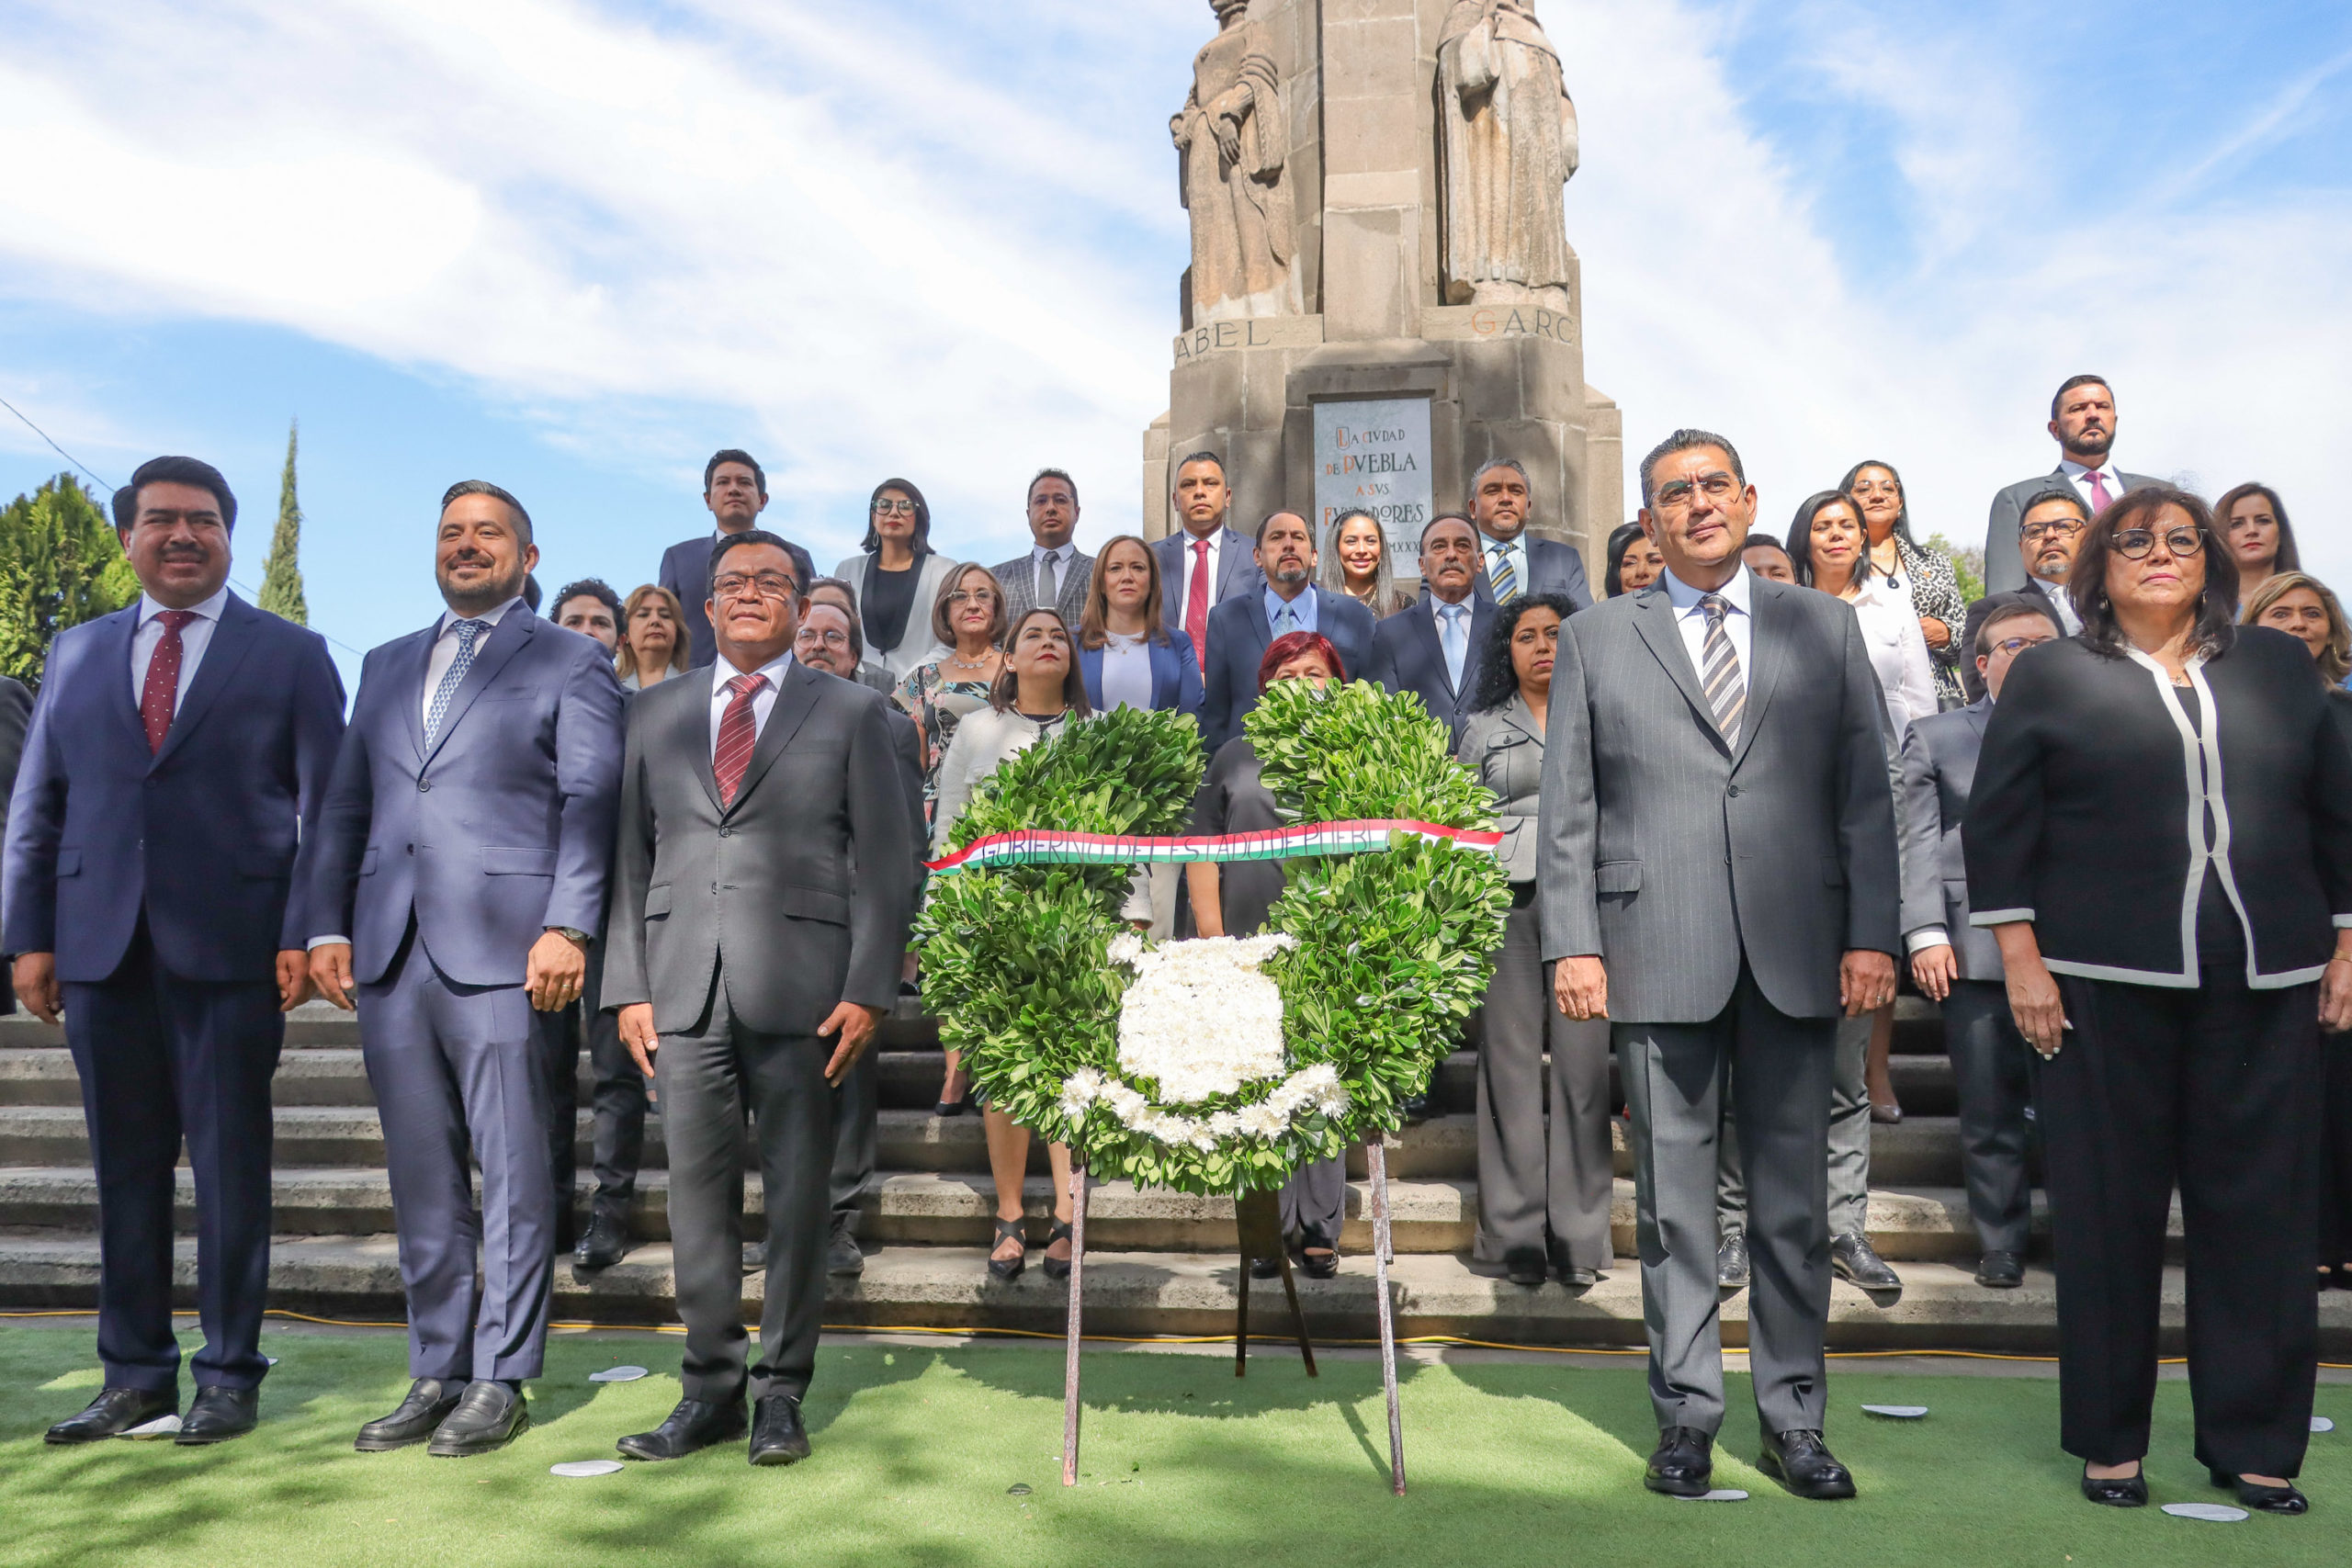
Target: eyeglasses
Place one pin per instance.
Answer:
(971, 596)
(766, 585)
(2016, 645)
(2134, 543)
(894, 508)
(1717, 486)
(2051, 528)
(830, 638)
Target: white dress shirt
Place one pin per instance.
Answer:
(1739, 624)
(444, 650)
(1898, 651)
(195, 637)
(1193, 562)
(2081, 478)
(763, 700)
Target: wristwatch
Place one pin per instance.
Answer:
(579, 939)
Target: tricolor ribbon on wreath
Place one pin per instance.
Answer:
(1045, 847)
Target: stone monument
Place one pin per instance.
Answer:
(1383, 294)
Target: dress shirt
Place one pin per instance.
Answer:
(1438, 608)
(1739, 624)
(1301, 609)
(195, 637)
(2069, 623)
(1037, 553)
(1516, 549)
(1216, 542)
(445, 650)
(763, 701)
(2080, 477)
(1126, 672)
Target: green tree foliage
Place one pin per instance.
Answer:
(1967, 564)
(60, 565)
(281, 580)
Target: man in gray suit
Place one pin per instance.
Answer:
(1959, 965)
(1510, 561)
(1055, 572)
(764, 883)
(2082, 421)
(459, 876)
(1205, 562)
(2049, 535)
(1717, 875)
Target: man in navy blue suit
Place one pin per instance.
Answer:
(1432, 648)
(1510, 560)
(174, 767)
(1205, 562)
(1242, 627)
(735, 488)
(459, 873)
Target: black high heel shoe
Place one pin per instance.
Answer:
(1009, 1269)
(1056, 1267)
(2116, 1491)
(1318, 1263)
(2260, 1498)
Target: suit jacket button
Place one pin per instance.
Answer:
(1734, 792)
(727, 832)
(424, 784)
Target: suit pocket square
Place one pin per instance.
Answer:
(518, 862)
(1618, 876)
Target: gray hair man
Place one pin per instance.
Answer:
(1510, 560)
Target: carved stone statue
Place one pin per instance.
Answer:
(1231, 139)
(1509, 136)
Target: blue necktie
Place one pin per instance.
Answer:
(1455, 639)
(1502, 577)
(1286, 620)
(468, 634)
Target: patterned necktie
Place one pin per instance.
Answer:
(159, 694)
(1196, 603)
(470, 635)
(1502, 577)
(1286, 620)
(738, 733)
(1726, 690)
(2099, 498)
(1048, 588)
(1456, 641)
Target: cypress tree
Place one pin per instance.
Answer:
(281, 580)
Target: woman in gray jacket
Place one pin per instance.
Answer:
(1542, 1196)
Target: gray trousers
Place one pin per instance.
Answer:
(1314, 1201)
(1991, 1063)
(856, 1110)
(1543, 1154)
(1779, 1075)
(708, 1076)
(1849, 1142)
(451, 1066)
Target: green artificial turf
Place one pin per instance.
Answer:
(917, 1450)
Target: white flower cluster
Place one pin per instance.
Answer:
(1314, 1090)
(1200, 1020)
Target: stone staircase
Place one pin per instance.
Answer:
(1159, 1262)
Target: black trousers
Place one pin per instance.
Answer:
(1994, 1066)
(2336, 1190)
(163, 1058)
(2218, 1088)
(617, 1095)
(708, 1075)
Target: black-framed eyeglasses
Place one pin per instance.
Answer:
(2051, 528)
(767, 585)
(898, 508)
(2134, 543)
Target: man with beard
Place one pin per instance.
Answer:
(461, 869)
(735, 488)
(1510, 563)
(2047, 537)
(2082, 421)
(1432, 649)
(1205, 562)
(1242, 627)
(171, 780)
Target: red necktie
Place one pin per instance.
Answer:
(2099, 498)
(160, 690)
(1196, 603)
(738, 733)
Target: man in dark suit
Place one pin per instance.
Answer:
(735, 488)
(1242, 627)
(1718, 878)
(827, 640)
(461, 877)
(1205, 562)
(1510, 560)
(2082, 421)
(1432, 648)
(173, 770)
(2049, 534)
(1959, 965)
(765, 884)
(1055, 572)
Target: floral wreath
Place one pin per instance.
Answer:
(1219, 1066)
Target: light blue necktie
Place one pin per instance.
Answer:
(1286, 620)
(1455, 639)
(468, 634)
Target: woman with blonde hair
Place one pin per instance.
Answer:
(654, 645)
(2303, 607)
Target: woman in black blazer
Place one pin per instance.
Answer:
(2161, 818)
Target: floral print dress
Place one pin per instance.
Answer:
(937, 703)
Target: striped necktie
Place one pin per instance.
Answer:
(1726, 690)
(738, 735)
(1502, 577)
(468, 638)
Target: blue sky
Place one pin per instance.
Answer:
(573, 247)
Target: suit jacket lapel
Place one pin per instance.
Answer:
(1234, 562)
(1516, 714)
(1426, 645)
(520, 624)
(1655, 619)
(233, 638)
(794, 701)
(1765, 654)
(1260, 624)
(118, 629)
(697, 738)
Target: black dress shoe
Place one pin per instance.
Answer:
(1526, 1266)
(217, 1414)
(1265, 1268)
(694, 1424)
(1317, 1260)
(115, 1412)
(777, 1436)
(1852, 1257)
(605, 1244)
(489, 1416)
(1731, 1262)
(428, 1404)
(2261, 1498)
(1684, 1464)
(1801, 1462)
(843, 1255)
(2000, 1270)
(2116, 1491)
(1578, 1279)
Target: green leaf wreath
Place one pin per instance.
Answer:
(1393, 949)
